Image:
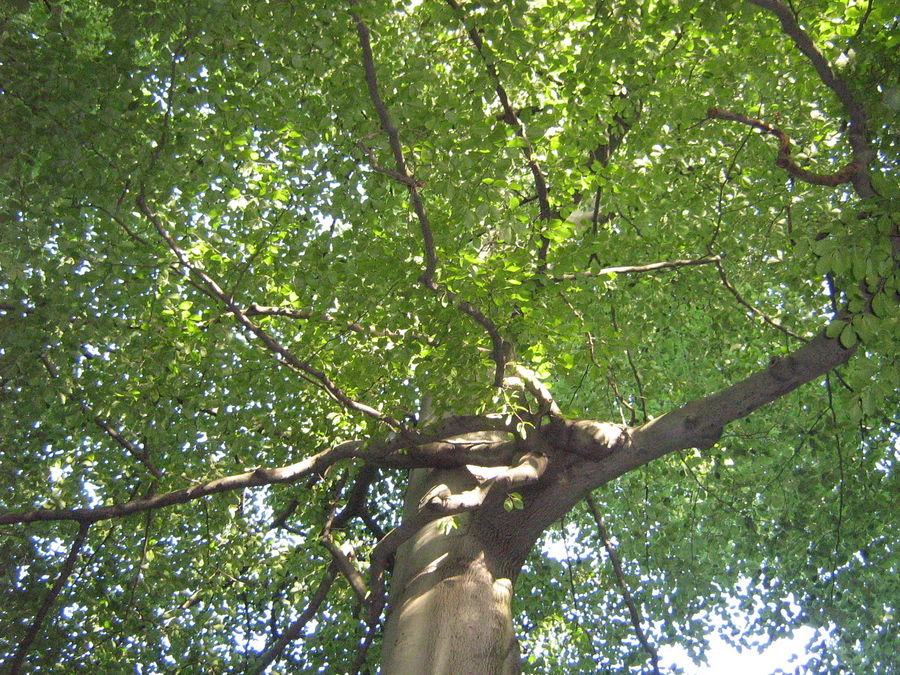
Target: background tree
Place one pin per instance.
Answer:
(301, 302)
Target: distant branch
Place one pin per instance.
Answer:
(637, 269)
(140, 454)
(393, 134)
(316, 376)
(64, 573)
(511, 117)
(753, 310)
(500, 349)
(308, 315)
(407, 180)
(117, 219)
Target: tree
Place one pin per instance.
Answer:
(311, 309)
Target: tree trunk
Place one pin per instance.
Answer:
(450, 602)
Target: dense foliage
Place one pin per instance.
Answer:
(149, 148)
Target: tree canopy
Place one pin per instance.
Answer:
(260, 259)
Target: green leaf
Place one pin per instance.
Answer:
(849, 337)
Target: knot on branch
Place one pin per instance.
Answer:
(436, 499)
(590, 439)
(782, 368)
(492, 483)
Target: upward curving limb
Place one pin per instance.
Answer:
(858, 130)
(492, 482)
(784, 159)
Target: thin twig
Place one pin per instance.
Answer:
(308, 315)
(371, 632)
(316, 376)
(500, 349)
(64, 573)
(623, 585)
(140, 454)
(293, 632)
(753, 310)
(841, 485)
(637, 269)
(634, 371)
(511, 117)
(261, 476)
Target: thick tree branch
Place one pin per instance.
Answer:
(527, 379)
(700, 422)
(858, 129)
(355, 503)
(64, 573)
(499, 348)
(440, 502)
(262, 476)
(343, 560)
(435, 446)
(606, 451)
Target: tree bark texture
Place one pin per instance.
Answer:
(450, 603)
